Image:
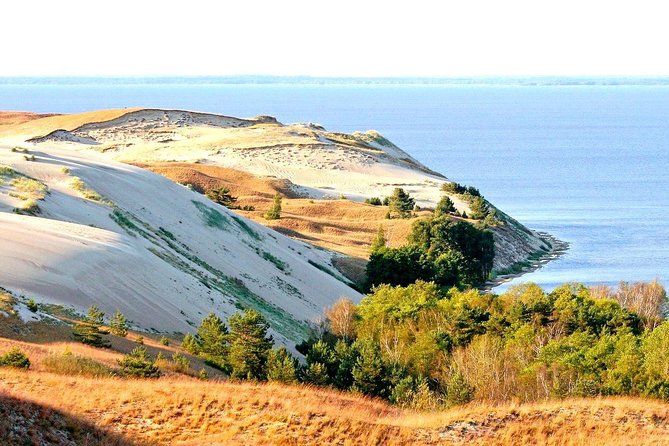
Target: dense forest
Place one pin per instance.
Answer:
(425, 347)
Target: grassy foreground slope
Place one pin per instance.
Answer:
(189, 412)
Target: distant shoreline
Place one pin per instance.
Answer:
(558, 249)
(530, 81)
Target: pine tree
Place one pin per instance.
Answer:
(379, 241)
(190, 344)
(281, 366)
(274, 213)
(368, 372)
(316, 373)
(95, 316)
(139, 363)
(89, 334)
(212, 335)
(222, 196)
(249, 345)
(118, 324)
(88, 330)
(400, 203)
(444, 207)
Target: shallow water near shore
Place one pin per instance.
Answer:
(587, 164)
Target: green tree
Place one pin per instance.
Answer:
(379, 241)
(212, 335)
(249, 345)
(655, 350)
(281, 366)
(88, 330)
(95, 316)
(118, 325)
(191, 344)
(400, 204)
(138, 363)
(368, 372)
(316, 373)
(478, 208)
(274, 212)
(444, 207)
(222, 196)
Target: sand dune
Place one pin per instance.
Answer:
(321, 164)
(161, 253)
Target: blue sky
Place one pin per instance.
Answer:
(342, 38)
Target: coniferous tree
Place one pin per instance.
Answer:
(88, 330)
(400, 204)
(95, 316)
(379, 240)
(444, 207)
(316, 373)
(222, 196)
(249, 345)
(118, 325)
(212, 336)
(138, 363)
(368, 372)
(190, 344)
(281, 366)
(274, 212)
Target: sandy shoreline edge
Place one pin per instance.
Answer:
(558, 249)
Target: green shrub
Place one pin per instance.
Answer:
(222, 196)
(274, 212)
(32, 305)
(139, 364)
(15, 358)
(90, 334)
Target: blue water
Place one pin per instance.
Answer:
(587, 164)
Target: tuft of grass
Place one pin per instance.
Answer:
(28, 188)
(29, 207)
(69, 364)
(81, 187)
(280, 264)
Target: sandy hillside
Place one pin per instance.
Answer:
(317, 164)
(78, 228)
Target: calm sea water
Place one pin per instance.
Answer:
(587, 164)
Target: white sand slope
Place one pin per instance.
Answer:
(322, 164)
(163, 255)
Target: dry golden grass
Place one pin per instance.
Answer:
(8, 118)
(45, 124)
(186, 411)
(40, 340)
(178, 409)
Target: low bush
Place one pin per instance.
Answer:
(70, 364)
(138, 363)
(15, 358)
